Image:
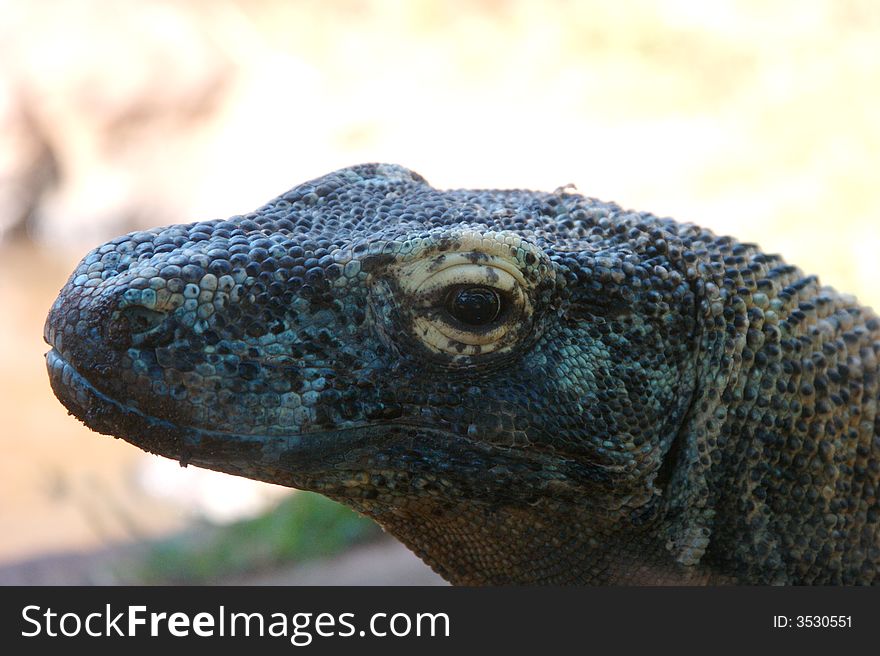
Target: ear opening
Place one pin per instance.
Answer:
(688, 503)
(689, 529)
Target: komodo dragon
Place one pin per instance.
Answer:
(522, 387)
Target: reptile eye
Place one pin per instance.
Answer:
(466, 303)
(474, 306)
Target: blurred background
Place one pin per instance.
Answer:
(756, 118)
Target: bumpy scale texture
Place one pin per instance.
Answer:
(522, 387)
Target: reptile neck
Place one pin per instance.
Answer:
(470, 543)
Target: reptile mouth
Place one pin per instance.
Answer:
(109, 416)
(347, 462)
(298, 460)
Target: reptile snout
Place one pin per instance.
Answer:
(76, 331)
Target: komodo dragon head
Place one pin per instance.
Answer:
(520, 386)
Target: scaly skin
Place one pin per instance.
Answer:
(523, 387)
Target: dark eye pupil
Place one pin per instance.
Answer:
(474, 306)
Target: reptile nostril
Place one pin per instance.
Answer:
(141, 319)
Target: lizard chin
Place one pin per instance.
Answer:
(188, 445)
(387, 463)
(378, 461)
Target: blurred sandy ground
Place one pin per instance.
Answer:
(754, 118)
